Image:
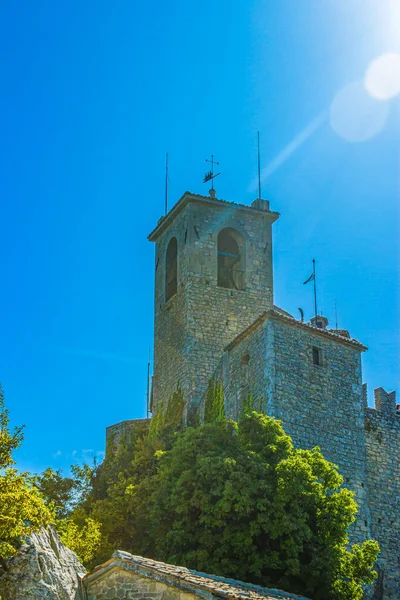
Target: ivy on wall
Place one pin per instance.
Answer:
(168, 419)
(214, 409)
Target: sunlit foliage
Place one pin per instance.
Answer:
(22, 510)
(235, 499)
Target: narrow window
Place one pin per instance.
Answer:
(316, 356)
(245, 359)
(171, 269)
(230, 260)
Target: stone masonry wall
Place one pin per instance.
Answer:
(217, 315)
(124, 430)
(322, 405)
(193, 327)
(382, 428)
(326, 406)
(170, 318)
(118, 584)
(318, 405)
(242, 371)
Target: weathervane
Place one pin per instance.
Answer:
(209, 175)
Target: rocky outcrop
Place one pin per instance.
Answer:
(43, 569)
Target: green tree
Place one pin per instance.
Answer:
(238, 500)
(65, 493)
(57, 490)
(22, 509)
(84, 540)
(118, 496)
(120, 486)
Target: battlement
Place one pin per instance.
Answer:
(384, 401)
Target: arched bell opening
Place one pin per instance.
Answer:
(231, 268)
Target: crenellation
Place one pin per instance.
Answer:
(365, 395)
(385, 401)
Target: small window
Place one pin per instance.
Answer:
(316, 356)
(171, 269)
(245, 359)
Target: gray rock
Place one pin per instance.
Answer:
(43, 569)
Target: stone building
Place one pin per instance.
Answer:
(137, 578)
(213, 278)
(215, 318)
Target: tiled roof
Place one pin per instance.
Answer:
(188, 197)
(282, 315)
(189, 580)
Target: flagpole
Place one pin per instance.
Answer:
(259, 167)
(166, 183)
(336, 315)
(148, 387)
(315, 290)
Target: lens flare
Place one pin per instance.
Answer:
(382, 80)
(355, 116)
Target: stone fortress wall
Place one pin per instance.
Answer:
(318, 404)
(382, 437)
(302, 373)
(325, 405)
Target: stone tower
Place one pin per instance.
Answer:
(213, 278)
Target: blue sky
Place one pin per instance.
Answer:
(93, 94)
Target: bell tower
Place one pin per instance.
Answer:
(213, 278)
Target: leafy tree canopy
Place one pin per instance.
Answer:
(22, 509)
(236, 499)
(64, 493)
(240, 501)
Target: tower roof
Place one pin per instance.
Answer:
(259, 206)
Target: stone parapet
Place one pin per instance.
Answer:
(124, 430)
(382, 438)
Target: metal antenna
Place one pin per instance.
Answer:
(148, 384)
(315, 289)
(336, 315)
(259, 166)
(166, 183)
